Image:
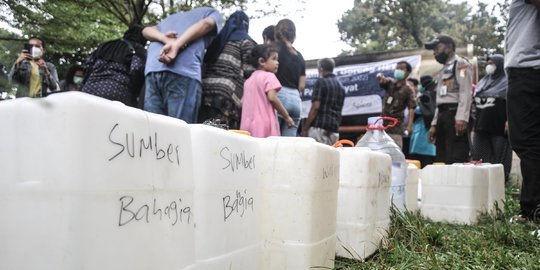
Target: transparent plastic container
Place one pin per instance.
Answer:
(376, 139)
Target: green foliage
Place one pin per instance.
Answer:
(417, 243)
(373, 25)
(73, 28)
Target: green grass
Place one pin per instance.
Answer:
(493, 243)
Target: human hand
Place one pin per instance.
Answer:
(23, 55)
(170, 34)
(380, 77)
(290, 122)
(168, 52)
(304, 132)
(41, 64)
(409, 130)
(432, 133)
(461, 127)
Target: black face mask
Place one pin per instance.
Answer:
(441, 58)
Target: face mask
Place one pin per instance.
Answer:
(490, 69)
(36, 52)
(77, 80)
(399, 74)
(442, 58)
(420, 88)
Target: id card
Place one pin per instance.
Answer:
(389, 100)
(444, 90)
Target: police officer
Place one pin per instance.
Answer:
(454, 97)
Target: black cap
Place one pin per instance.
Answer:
(425, 80)
(440, 39)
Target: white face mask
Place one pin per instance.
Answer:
(77, 80)
(490, 69)
(36, 52)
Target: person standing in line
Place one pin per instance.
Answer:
(268, 34)
(226, 68)
(324, 116)
(398, 97)
(523, 98)
(114, 71)
(490, 141)
(454, 98)
(408, 113)
(30, 74)
(73, 79)
(173, 70)
(260, 95)
(291, 74)
(420, 148)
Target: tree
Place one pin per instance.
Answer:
(485, 31)
(73, 28)
(373, 25)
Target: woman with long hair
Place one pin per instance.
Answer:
(291, 74)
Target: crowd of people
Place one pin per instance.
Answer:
(197, 68)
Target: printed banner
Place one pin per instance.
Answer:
(362, 92)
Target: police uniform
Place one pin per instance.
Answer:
(454, 99)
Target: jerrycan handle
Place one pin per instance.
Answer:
(340, 143)
(381, 127)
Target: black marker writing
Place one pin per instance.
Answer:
(238, 204)
(236, 161)
(173, 211)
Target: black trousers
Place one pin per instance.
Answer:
(450, 148)
(523, 109)
(492, 149)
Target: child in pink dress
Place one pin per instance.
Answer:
(260, 101)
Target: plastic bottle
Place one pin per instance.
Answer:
(377, 140)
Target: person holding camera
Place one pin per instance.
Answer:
(30, 74)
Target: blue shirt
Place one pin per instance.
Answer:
(188, 62)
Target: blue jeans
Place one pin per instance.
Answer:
(174, 95)
(290, 98)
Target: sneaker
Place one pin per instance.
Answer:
(536, 215)
(519, 219)
(536, 233)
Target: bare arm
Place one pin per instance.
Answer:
(153, 34)
(274, 100)
(315, 105)
(193, 33)
(433, 130)
(383, 81)
(302, 83)
(411, 120)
